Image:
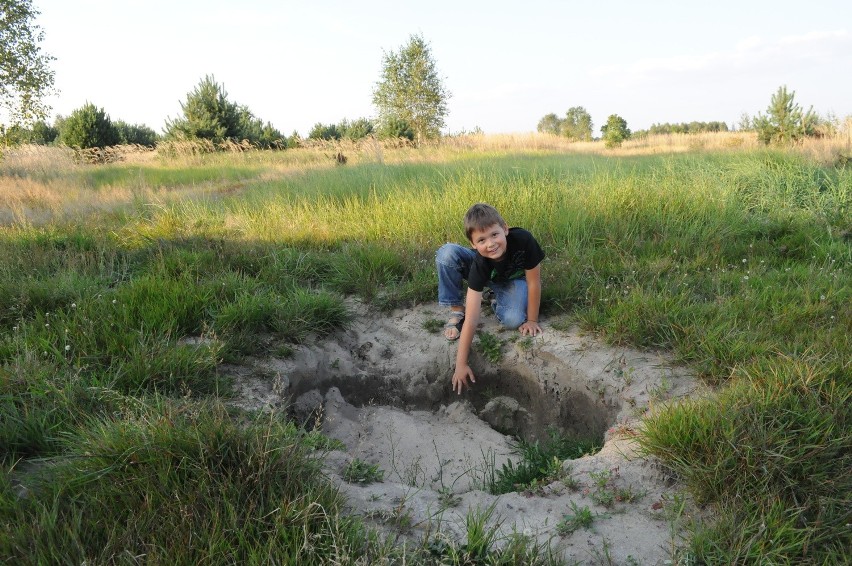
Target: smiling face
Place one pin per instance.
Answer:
(491, 241)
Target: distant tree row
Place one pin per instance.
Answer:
(684, 128)
(576, 125)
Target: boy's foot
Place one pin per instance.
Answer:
(452, 330)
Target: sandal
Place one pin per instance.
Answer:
(489, 298)
(456, 322)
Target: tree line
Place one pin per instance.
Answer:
(784, 122)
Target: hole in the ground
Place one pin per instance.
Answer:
(509, 400)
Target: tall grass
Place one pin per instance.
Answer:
(737, 262)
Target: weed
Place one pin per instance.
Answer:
(604, 497)
(526, 343)
(448, 498)
(284, 351)
(581, 518)
(433, 325)
(490, 346)
(660, 392)
(358, 471)
(628, 494)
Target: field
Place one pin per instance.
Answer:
(125, 286)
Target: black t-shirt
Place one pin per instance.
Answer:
(522, 253)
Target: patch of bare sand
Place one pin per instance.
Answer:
(382, 387)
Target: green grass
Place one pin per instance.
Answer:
(540, 463)
(182, 483)
(358, 471)
(736, 263)
(581, 518)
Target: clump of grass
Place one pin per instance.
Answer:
(540, 463)
(433, 325)
(754, 430)
(490, 346)
(484, 544)
(179, 483)
(581, 518)
(358, 471)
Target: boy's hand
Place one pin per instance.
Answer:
(460, 377)
(530, 328)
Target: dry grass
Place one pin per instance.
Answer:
(39, 184)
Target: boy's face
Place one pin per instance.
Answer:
(490, 242)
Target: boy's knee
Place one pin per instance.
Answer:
(447, 255)
(513, 319)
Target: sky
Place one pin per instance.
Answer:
(296, 63)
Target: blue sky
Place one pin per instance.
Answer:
(507, 64)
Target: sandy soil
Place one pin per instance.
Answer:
(382, 387)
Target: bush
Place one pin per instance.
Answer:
(87, 127)
(136, 134)
(322, 132)
(396, 128)
(359, 129)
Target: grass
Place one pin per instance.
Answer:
(358, 471)
(540, 463)
(581, 518)
(124, 286)
(490, 346)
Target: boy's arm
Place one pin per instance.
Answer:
(531, 326)
(471, 320)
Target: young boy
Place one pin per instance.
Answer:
(508, 261)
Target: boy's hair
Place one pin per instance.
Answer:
(481, 216)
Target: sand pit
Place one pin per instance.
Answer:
(382, 388)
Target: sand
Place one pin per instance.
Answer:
(382, 387)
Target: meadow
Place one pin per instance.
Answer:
(124, 285)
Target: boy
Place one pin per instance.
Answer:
(507, 260)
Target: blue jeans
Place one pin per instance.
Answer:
(453, 262)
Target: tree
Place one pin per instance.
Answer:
(138, 134)
(88, 126)
(207, 114)
(357, 129)
(411, 91)
(324, 132)
(25, 75)
(615, 131)
(549, 124)
(577, 124)
(784, 122)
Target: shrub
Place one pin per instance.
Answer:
(138, 134)
(324, 132)
(396, 128)
(87, 127)
(615, 131)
